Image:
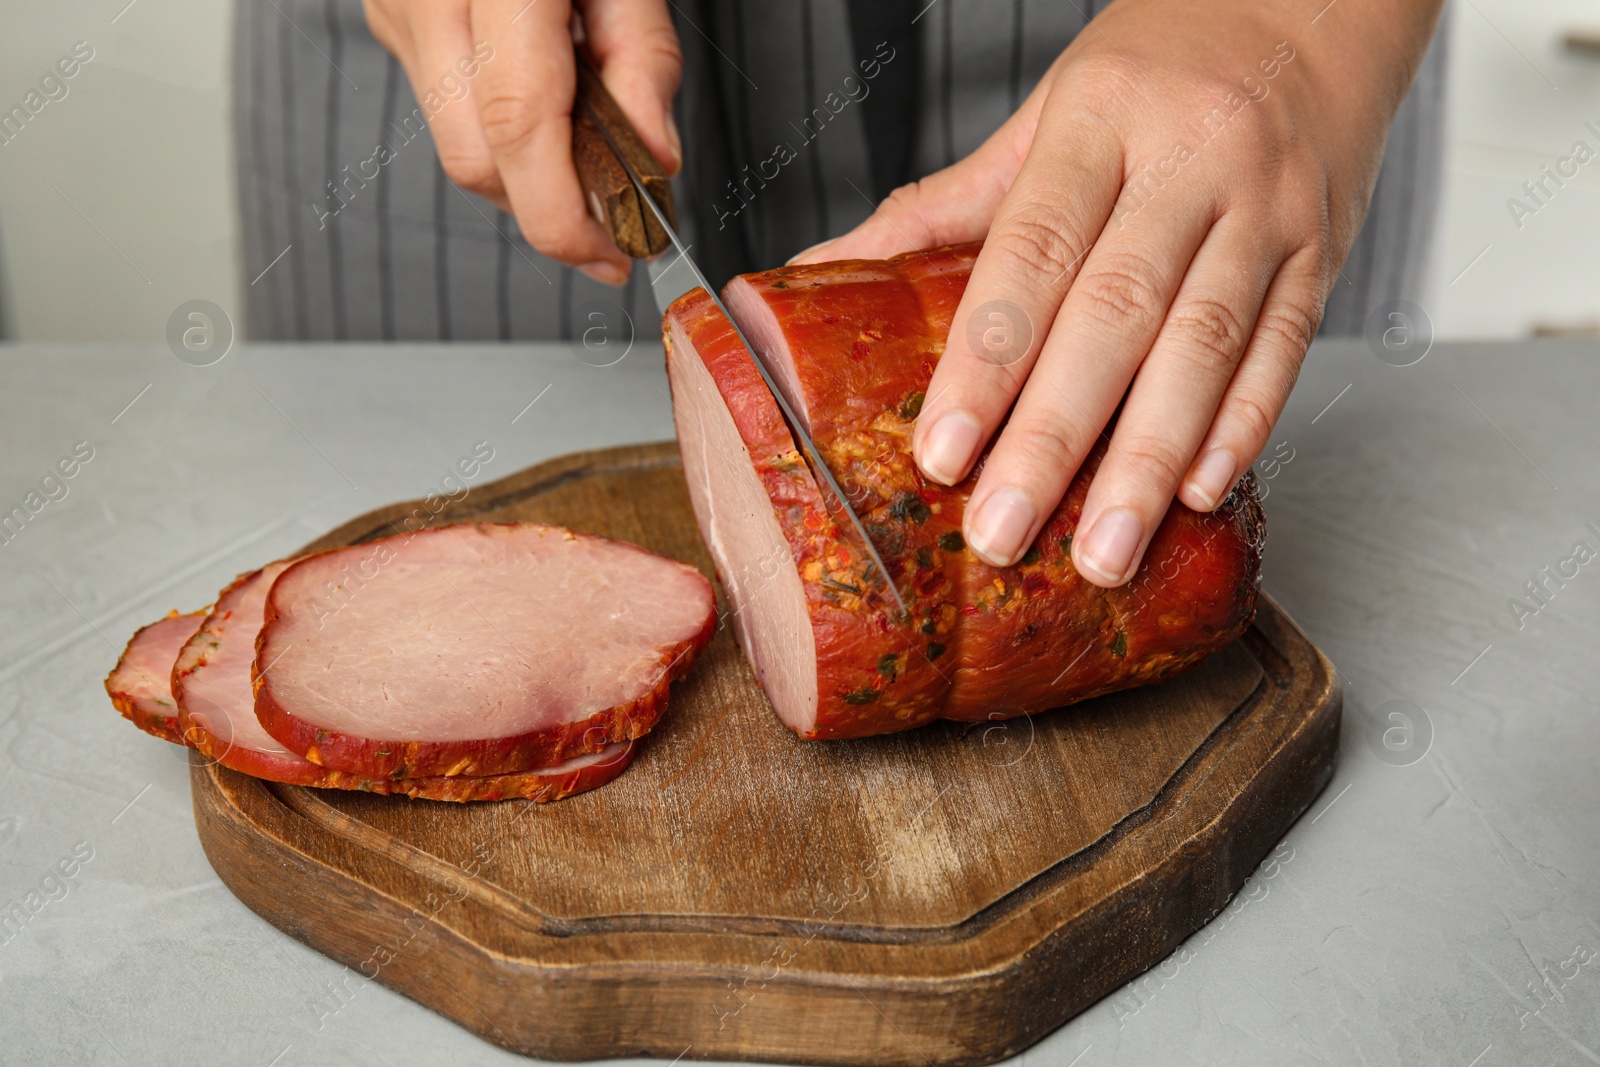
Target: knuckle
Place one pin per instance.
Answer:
(1288, 327)
(1253, 414)
(1155, 457)
(1043, 449)
(1208, 332)
(661, 47)
(642, 59)
(507, 119)
(1040, 241)
(1121, 290)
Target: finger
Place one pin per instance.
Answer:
(394, 34)
(1047, 222)
(1260, 387)
(1174, 397)
(640, 62)
(525, 97)
(442, 70)
(1102, 333)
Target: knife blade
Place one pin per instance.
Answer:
(676, 273)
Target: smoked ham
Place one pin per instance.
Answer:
(140, 684)
(477, 649)
(211, 684)
(854, 345)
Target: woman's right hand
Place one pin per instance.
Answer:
(509, 137)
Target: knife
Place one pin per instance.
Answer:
(630, 196)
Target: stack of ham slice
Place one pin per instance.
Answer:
(853, 346)
(470, 662)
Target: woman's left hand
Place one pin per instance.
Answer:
(1165, 217)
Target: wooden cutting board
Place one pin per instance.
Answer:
(945, 896)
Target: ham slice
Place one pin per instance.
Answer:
(854, 345)
(140, 684)
(477, 649)
(211, 682)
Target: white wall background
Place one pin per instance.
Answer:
(141, 217)
(1518, 100)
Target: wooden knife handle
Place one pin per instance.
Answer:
(611, 196)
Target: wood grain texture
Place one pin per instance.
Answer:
(610, 193)
(944, 896)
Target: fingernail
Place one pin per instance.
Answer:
(673, 143)
(1108, 547)
(1213, 477)
(946, 449)
(798, 256)
(1003, 521)
(606, 272)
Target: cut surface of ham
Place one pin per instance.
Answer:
(853, 346)
(211, 683)
(140, 685)
(475, 649)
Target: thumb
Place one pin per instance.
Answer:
(945, 208)
(950, 206)
(641, 63)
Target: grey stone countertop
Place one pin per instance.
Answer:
(1438, 904)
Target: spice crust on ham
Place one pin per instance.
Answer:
(854, 345)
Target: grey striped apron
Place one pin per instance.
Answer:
(352, 232)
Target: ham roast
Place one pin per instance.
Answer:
(476, 649)
(140, 684)
(211, 684)
(854, 345)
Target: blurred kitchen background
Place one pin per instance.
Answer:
(117, 200)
